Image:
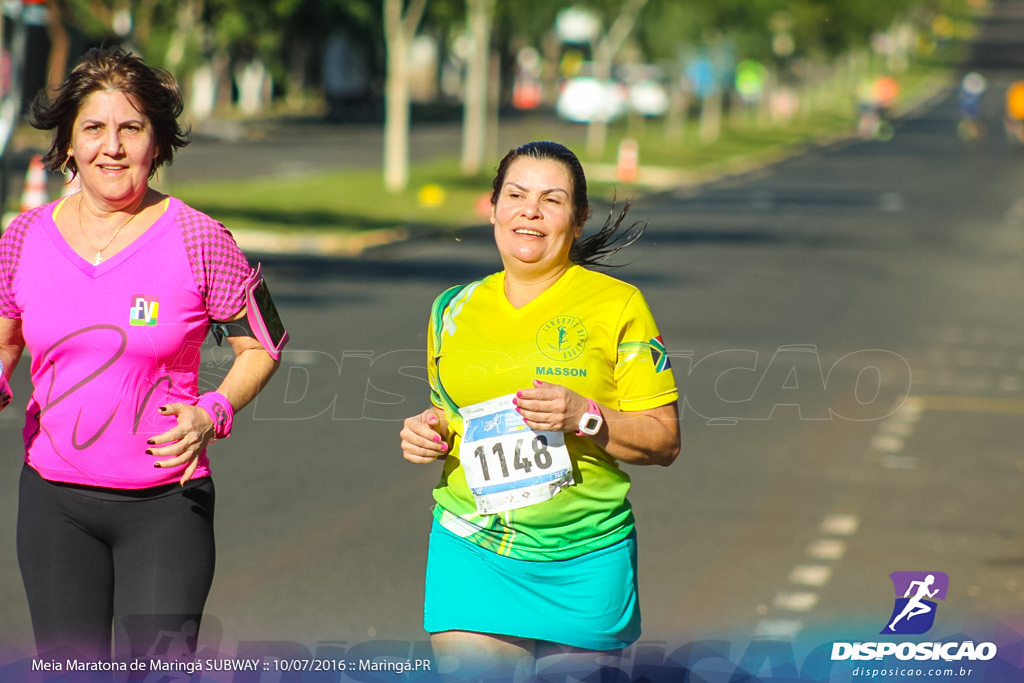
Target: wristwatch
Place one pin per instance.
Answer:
(591, 421)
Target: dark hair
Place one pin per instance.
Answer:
(152, 90)
(592, 250)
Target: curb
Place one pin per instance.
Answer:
(301, 243)
(316, 243)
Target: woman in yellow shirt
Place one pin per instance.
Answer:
(544, 377)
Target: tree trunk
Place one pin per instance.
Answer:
(295, 88)
(711, 116)
(60, 44)
(399, 29)
(480, 15)
(396, 118)
(604, 52)
(678, 113)
(251, 80)
(202, 91)
(11, 102)
(188, 16)
(491, 150)
(142, 23)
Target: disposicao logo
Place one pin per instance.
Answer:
(916, 593)
(913, 613)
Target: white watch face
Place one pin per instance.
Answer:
(590, 423)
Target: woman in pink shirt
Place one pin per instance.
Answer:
(113, 290)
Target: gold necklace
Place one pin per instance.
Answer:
(98, 258)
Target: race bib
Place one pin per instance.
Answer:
(507, 464)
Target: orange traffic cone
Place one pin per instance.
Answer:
(627, 164)
(34, 193)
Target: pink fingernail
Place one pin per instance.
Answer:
(515, 401)
(519, 394)
(437, 438)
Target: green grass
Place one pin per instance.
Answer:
(347, 201)
(341, 201)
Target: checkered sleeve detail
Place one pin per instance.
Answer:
(11, 244)
(219, 266)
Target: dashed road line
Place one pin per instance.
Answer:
(840, 524)
(813, 572)
(887, 444)
(784, 618)
(778, 629)
(796, 601)
(826, 549)
(815, 575)
(782, 621)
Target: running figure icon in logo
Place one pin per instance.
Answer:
(916, 588)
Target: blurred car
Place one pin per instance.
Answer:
(648, 94)
(648, 98)
(584, 99)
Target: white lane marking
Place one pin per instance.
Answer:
(810, 575)
(826, 549)
(886, 443)
(912, 408)
(901, 428)
(778, 629)
(840, 524)
(799, 601)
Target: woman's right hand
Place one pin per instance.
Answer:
(423, 436)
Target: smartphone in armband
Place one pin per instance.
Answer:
(261, 321)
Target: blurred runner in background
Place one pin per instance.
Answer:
(969, 124)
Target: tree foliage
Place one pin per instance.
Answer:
(276, 31)
(818, 27)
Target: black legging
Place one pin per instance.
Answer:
(135, 562)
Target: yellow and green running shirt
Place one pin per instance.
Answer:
(588, 332)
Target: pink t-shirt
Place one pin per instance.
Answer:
(112, 343)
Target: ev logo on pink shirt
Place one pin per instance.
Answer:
(144, 310)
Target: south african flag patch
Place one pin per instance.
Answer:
(659, 355)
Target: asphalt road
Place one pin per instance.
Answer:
(846, 331)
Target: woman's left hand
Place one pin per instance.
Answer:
(550, 407)
(183, 443)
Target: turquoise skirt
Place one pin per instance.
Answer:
(587, 602)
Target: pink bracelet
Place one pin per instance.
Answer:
(221, 412)
(5, 389)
